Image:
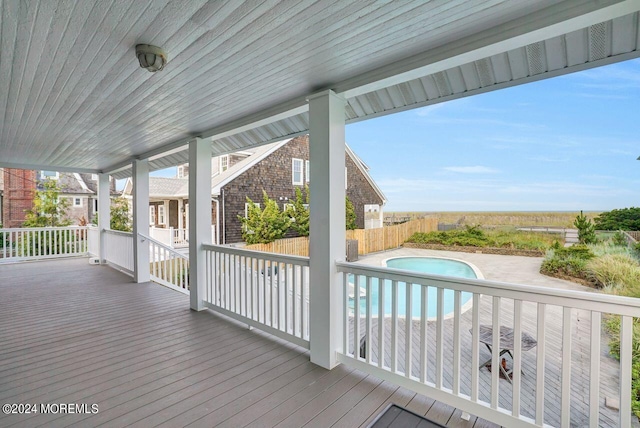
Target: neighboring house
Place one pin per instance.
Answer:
(18, 188)
(277, 168)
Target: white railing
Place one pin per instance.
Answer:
(34, 243)
(264, 290)
(180, 237)
(167, 266)
(119, 249)
(557, 381)
(93, 240)
(162, 235)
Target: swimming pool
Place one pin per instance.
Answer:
(431, 265)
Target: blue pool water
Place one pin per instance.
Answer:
(428, 265)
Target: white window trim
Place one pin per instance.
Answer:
(222, 168)
(77, 199)
(246, 208)
(307, 169)
(152, 215)
(180, 172)
(346, 174)
(161, 215)
(295, 161)
(53, 177)
(94, 177)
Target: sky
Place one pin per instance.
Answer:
(564, 144)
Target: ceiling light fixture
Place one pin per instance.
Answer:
(151, 58)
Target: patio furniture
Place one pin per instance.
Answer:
(506, 345)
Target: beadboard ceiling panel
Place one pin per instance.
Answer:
(73, 96)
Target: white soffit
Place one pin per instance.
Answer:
(72, 96)
(600, 44)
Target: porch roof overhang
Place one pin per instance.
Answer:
(240, 72)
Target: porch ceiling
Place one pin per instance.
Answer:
(73, 97)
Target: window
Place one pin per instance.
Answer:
(296, 171)
(246, 209)
(287, 206)
(224, 163)
(77, 202)
(180, 172)
(95, 205)
(161, 214)
(306, 166)
(94, 177)
(152, 214)
(50, 174)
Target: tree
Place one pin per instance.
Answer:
(350, 215)
(586, 229)
(48, 209)
(263, 225)
(622, 219)
(298, 213)
(119, 213)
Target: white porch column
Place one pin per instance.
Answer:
(199, 217)
(327, 225)
(140, 220)
(104, 213)
(180, 221)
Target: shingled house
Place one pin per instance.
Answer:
(277, 168)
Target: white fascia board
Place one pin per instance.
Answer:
(216, 189)
(515, 34)
(366, 174)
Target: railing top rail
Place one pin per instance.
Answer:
(283, 258)
(571, 298)
(164, 246)
(117, 232)
(35, 229)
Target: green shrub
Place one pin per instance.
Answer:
(612, 325)
(625, 219)
(619, 239)
(474, 236)
(571, 261)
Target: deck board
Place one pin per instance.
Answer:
(76, 333)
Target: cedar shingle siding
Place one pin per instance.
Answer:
(274, 175)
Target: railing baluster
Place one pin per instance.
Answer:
(626, 348)
(381, 321)
(408, 322)
(517, 357)
(368, 332)
(540, 363)
(424, 350)
(456, 342)
(439, 337)
(345, 314)
(394, 326)
(594, 372)
(356, 316)
(565, 412)
(303, 303)
(495, 352)
(294, 303)
(286, 298)
(475, 346)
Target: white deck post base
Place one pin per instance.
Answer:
(327, 225)
(104, 213)
(140, 174)
(199, 217)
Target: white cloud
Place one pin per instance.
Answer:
(478, 169)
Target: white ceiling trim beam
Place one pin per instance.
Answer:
(551, 22)
(48, 168)
(264, 117)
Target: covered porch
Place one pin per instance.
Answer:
(75, 333)
(243, 74)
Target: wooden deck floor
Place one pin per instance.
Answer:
(74, 333)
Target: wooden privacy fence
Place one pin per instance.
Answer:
(384, 238)
(369, 240)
